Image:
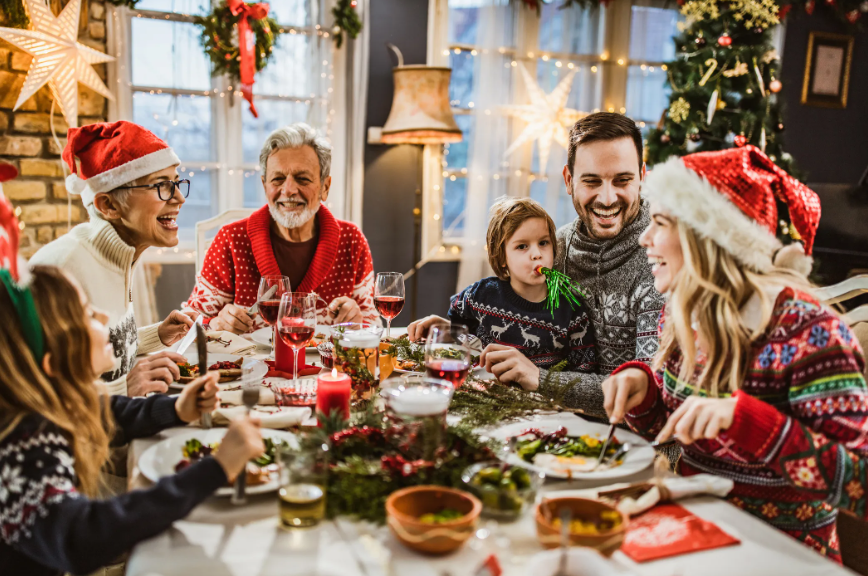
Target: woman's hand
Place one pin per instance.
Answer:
(510, 365)
(176, 325)
(154, 373)
(233, 319)
(699, 419)
(345, 309)
(242, 442)
(623, 392)
(198, 397)
(419, 329)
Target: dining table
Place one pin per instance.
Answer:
(221, 539)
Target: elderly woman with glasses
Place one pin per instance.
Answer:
(128, 180)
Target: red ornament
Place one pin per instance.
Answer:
(782, 13)
(830, 2)
(852, 16)
(725, 40)
(740, 140)
(775, 86)
(809, 7)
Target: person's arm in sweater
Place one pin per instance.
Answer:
(461, 309)
(49, 521)
(143, 417)
(215, 286)
(149, 339)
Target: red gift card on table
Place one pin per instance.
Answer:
(670, 530)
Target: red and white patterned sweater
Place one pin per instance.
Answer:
(242, 253)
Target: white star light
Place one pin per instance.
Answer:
(58, 58)
(547, 116)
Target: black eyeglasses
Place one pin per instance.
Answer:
(165, 189)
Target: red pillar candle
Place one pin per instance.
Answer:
(333, 390)
(283, 354)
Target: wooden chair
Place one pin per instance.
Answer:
(203, 239)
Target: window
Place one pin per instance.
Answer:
(171, 92)
(615, 57)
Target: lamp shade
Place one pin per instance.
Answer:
(420, 107)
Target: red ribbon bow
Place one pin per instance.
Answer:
(247, 44)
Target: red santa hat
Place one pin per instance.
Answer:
(8, 224)
(731, 197)
(111, 154)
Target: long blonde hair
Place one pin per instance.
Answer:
(70, 398)
(710, 290)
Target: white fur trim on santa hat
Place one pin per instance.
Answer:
(694, 201)
(123, 174)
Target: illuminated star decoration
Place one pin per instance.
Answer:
(547, 116)
(58, 58)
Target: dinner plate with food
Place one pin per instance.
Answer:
(570, 448)
(181, 450)
(231, 368)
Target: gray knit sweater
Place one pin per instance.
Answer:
(624, 306)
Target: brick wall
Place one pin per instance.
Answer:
(26, 140)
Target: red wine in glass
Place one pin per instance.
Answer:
(296, 337)
(389, 306)
(455, 371)
(268, 309)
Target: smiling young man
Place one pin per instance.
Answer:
(293, 235)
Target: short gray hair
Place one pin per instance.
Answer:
(121, 196)
(295, 136)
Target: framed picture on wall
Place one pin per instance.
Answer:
(827, 70)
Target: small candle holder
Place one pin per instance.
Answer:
(326, 354)
(417, 406)
(356, 353)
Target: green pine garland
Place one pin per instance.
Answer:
(346, 20)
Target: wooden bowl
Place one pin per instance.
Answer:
(404, 507)
(582, 509)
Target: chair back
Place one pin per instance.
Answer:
(203, 227)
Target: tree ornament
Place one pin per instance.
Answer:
(559, 284)
(664, 138)
(830, 2)
(712, 65)
(346, 20)
(758, 30)
(782, 13)
(740, 69)
(779, 127)
(864, 6)
(695, 136)
(740, 140)
(762, 140)
(809, 7)
(775, 86)
(679, 110)
(725, 40)
(712, 106)
(59, 59)
(721, 104)
(853, 16)
(700, 41)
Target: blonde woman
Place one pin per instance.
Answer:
(756, 380)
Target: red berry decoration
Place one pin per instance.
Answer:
(852, 16)
(700, 41)
(775, 86)
(725, 40)
(740, 140)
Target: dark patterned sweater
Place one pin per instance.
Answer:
(797, 448)
(493, 312)
(47, 527)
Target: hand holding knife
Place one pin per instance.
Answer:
(202, 347)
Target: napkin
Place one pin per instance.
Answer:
(225, 342)
(266, 397)
(277, 419)
(303, 370)
(673, 489)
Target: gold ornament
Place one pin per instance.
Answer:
(699, 10)
(679, 110)
(721, 104)
(547, 116)
(58, 58)
(712, 65)
(755, 13)
(740, 69)
(770, 56)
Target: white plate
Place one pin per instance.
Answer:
(640, 456)
(262, 336)
(258, 367)
(160, 459)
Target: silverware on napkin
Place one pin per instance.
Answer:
(202, 347)
(255, 308)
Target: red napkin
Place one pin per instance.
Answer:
(670, 530)
(303, 369)
(283, 359)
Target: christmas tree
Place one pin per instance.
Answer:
(724, 83)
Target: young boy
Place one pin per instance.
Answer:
(510, 308)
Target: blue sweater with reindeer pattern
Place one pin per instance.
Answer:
(493, 311)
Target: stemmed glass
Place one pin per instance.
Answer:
(389, 296)
(296, 323)
(446, 354)
(268, 306)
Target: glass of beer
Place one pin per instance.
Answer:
(303, 477)
(356, 352)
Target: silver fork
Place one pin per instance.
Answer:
(566, 518)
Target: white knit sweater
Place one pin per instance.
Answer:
(102, 263)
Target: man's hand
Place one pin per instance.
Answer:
(345, 309)
(176, 325)
(154, 373)
(233, 319)
(419, 329)
(699, 418)
(623, 392)
(198, 397)
(510, 365)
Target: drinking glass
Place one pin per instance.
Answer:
(389, 296)
(296, 323)
(446, 354)
(356, 349)
(268, 308)
(303, 477)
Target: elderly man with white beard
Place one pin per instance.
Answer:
(294, 235)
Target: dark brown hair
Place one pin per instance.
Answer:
(507, 214)
(603, 127)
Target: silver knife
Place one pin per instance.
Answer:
(188, 337)
(605, 446)
(202, 346)
(255, 308)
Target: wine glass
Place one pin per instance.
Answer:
(389, 296)
(296, 322)
(446, 354)
(268, 305)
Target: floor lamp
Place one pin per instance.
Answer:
(420, 115)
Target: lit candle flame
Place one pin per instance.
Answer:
(334, 372)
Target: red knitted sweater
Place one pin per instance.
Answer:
(241, 253)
